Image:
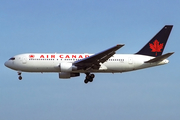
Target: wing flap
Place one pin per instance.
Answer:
(159, 58)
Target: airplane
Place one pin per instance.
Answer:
(71, 65)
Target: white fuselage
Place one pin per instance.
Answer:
(43, 62)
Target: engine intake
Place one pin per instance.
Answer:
(67, 67)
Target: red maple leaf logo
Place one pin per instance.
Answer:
(31, 56)
(156, 47)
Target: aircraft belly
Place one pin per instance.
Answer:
(115, 66)
(40, 67)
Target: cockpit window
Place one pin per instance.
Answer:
(13, 58)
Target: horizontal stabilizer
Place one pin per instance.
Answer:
(159, 58)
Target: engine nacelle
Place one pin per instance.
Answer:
(67, 67)
(66, 75)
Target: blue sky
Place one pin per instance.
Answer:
(68, 26)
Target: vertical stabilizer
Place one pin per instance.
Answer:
(156, 45)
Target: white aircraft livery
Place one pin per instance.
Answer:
(71, 65)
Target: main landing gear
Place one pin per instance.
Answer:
(20, 77)
(89, 78)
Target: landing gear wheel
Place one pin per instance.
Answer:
(20, 77)
(86, 81)
(89, 78)
(92, 75)
(19, 73)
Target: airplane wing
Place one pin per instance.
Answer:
(93, 62)
(159, 58)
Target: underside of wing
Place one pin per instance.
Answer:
(93, 62)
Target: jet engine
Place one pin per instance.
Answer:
(66, 75)
(67, 67)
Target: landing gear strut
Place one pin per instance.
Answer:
(20, 77)
(89, 78)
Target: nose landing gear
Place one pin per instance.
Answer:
(20, 77)
(89, 78)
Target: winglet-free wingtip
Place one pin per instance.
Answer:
(120, 44)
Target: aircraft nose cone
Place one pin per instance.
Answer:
(7, 64)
